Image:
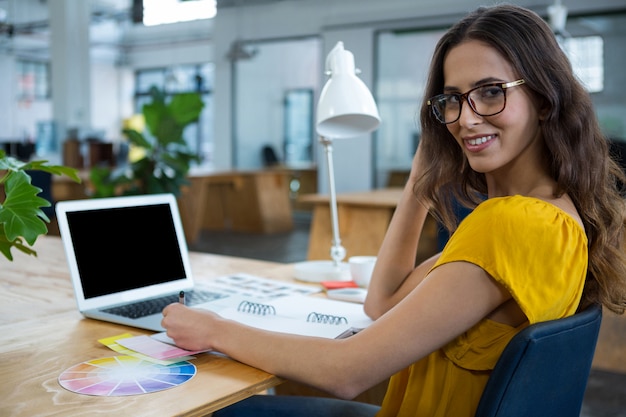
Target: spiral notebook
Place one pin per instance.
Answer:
(302, 315)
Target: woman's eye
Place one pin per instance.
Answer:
(453, 99)
(491, 92)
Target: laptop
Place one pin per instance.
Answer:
(128, 259)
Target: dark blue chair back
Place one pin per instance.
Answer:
(43, 180)
(543, 371)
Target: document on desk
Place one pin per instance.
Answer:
(302, 315)
(154, 348)
(112, 343)
(247, 285)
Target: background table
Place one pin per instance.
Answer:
(239, 201)
(363, 221)
(255, 201)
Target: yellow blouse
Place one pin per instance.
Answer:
(531, 247)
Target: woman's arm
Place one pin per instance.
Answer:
(395, 274)
(449, 301)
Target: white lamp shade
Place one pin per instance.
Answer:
(346, 107)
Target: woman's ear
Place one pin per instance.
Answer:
(544, 110)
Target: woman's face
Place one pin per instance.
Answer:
(508, 142)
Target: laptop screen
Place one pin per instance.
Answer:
(125, 248)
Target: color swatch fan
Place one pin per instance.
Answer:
(124, 375)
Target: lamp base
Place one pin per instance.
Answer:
(318, 271)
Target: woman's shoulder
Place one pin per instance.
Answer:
(529, 211)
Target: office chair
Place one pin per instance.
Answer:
(269, 156)
(543, 371)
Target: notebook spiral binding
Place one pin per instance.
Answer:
(326, 318)
(256, 308)
(267, 310)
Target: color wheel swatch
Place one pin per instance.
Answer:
(124, 375)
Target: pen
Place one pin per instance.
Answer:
(181, 297)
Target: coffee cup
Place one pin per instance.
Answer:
(361, 268)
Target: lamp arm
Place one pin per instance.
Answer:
(337, 251)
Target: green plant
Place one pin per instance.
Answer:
(21, 217)
(167, 158)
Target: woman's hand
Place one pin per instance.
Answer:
(191, 329)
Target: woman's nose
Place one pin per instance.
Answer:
(468, 116)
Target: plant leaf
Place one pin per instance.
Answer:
(153, 113)
(137, 139)
(5, 245)
(186, 108)
(21, 212)
(53, 169)
(10, 163)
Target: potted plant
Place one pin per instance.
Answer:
(166, 157)
(21, 219)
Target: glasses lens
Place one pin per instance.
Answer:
(446, 107)
(487, 100)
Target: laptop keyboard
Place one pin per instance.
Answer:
(156, 305)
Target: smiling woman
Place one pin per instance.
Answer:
(545, 244)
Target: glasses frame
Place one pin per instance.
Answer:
(465, 96)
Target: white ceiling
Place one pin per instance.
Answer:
(25, 28)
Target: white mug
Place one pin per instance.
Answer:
(361, 268)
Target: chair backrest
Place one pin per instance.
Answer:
(543, 371)
(43, 180)
(269, 156)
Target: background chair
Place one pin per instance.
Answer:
(43, 180)
(543, 371)
(269, 156)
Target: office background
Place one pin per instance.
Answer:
(83, 67)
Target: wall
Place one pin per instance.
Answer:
(611, 102)
(353, 21)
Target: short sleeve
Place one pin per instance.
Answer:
(531, 247)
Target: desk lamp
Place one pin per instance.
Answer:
(345, 109)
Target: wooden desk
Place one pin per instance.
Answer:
(302, 180)
(363, 221)
(64, 188)
(240, 201)
(42, 334)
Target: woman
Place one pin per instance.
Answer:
(508, 120)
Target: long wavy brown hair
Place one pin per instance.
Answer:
(575, 149)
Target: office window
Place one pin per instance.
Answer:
(587, 56)
(158, 12)
(180, 79)
(32, 80)
(298, 126)
(273, 100)
(403, 58)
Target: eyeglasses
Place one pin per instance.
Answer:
(484, 100)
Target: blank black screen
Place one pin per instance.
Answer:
(121, 249)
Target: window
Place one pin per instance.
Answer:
(587, 58)
(401, 78)
(33, 81)
(298, 126)
(179, 79)
(157, 12)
